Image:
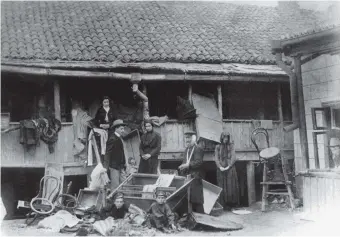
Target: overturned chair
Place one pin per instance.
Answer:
(47, 199)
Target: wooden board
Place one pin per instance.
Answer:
(214, 222)
(209, 119)
(251, 183)
(210, 194)
(131, 146)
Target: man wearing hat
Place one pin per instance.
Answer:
(114, 159)
(192, 166)
(334, 145)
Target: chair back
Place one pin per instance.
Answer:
(50, 187)
(255, 133)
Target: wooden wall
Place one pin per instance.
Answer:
(321, 191)
(13, 153)
(173, 144)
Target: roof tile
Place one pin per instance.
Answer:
(147, 31)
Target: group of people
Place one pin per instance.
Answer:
(150, 146)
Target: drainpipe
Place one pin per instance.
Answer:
(294, 93)
(135, 79)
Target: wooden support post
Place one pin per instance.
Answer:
(219, 94)
(190, 93)
(280, 111)
(251, 183)
(302, 115)
(57, 100)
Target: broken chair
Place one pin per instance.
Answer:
(274, 170)
(43, 203)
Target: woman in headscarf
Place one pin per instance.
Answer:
(225, 159)
(104, 116)
(149, 149)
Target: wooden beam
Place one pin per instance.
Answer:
(302, 115)
(145, 77)
(57, 111)
(280, 111)
(146, 113)
(190, 93)
(219, 95)
(251, 183)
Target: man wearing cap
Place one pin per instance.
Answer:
(192, 166)
(334, 145)
(114, 159)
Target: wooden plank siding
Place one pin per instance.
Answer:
(13, 153)
(173, 143)
(321, 191)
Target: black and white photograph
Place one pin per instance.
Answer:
(170, 118)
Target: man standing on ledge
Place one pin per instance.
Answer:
(114, 159)
(191, 166)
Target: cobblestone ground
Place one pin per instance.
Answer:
(275, 222)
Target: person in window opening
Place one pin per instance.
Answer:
(225, 159)
(104, 116)
(334, 146)
(192, 167)
(149, 149)
(114, 159)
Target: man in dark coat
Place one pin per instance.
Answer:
(149, 149)
(114, 159)
(192, 166)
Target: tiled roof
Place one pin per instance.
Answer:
(200, 32)
(311, 31)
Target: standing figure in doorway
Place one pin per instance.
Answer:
(192, 167)
(149, 149)
(104, 116)
(114, 159)
(225, 159)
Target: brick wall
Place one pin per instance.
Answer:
(321, 82)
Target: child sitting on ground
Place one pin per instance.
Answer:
(160, 215)
(121, 210)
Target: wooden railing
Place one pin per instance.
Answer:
(13, 153)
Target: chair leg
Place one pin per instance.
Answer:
(291, 197)
(264, 188)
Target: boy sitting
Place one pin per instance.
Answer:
(121, 210)
(160, 215)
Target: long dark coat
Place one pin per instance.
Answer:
(195, 170)
(150, 144)
(114, 157)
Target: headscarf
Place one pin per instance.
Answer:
(225, 151)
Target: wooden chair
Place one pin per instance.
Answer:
(43, 203)
(274, 170)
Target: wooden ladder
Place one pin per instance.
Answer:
(272, 155)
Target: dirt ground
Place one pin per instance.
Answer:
(275, 222)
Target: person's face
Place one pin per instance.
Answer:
(119, 202)
(225, 139)
(148, 127)
(188, 140)
(106, 103)
(335, 150)
(132, 162)
(120, 130)
(160, 199)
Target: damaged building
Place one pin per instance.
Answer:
(198, 65)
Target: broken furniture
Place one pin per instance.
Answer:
(43, 203)
(133, 186)
(274, 170)
(197, 220)
(90, 199)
